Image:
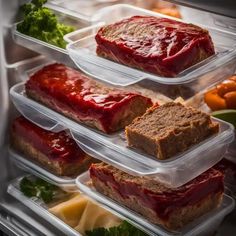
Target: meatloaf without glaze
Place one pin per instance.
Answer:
(82, 99)
(57, 152)
(171, 208)
(157, 45)
(169, 129)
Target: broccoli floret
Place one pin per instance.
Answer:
(41, 23)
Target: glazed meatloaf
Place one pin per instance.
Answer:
(157, 45)
(171, 208)
(169, 129)
(57, 152)
(82, 99)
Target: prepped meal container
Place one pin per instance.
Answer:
(47, 49)
(204, 225)
(40, 208)
(66, 183)
(112, 149)
(83, 53)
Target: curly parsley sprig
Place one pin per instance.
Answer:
(38, 188)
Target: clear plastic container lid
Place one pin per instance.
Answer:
(52, 51)
(86, 9)
(83, 52)
(39, 207)
(113, 149)
(204, 225)
(66, 183)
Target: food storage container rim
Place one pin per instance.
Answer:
(99, 14)
(15, 33)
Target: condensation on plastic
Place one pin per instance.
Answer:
(83, 52)
(113, 148)
(49, 50)
(39, 208)
(66, 183)
(205, 225)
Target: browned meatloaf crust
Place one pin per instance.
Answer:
(169, 129)
(77, 96)
(57, 152)
(157, 45)
(171, 208)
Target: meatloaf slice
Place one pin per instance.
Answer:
(171, 208)
(169, 129)
(57, 152)
(82, 99)
(157, 45)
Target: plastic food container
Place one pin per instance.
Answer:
(45, 48)
(39, 208)
(112, 149)
(86, 9)
(66, 183)
(204, 225)
(83, 53)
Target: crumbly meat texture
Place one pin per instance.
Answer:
(171, 208)
(157, 45)
(169, 129)
(56, 152)
(84, 100)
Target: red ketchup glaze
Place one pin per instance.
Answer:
(157, 45)
(77, 93)
(165, 202)
(54, 145)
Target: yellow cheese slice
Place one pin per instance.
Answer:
(82, 214)
(94, 217)
(70, 211)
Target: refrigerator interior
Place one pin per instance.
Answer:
(15, 218)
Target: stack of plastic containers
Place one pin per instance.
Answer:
(113, 149)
